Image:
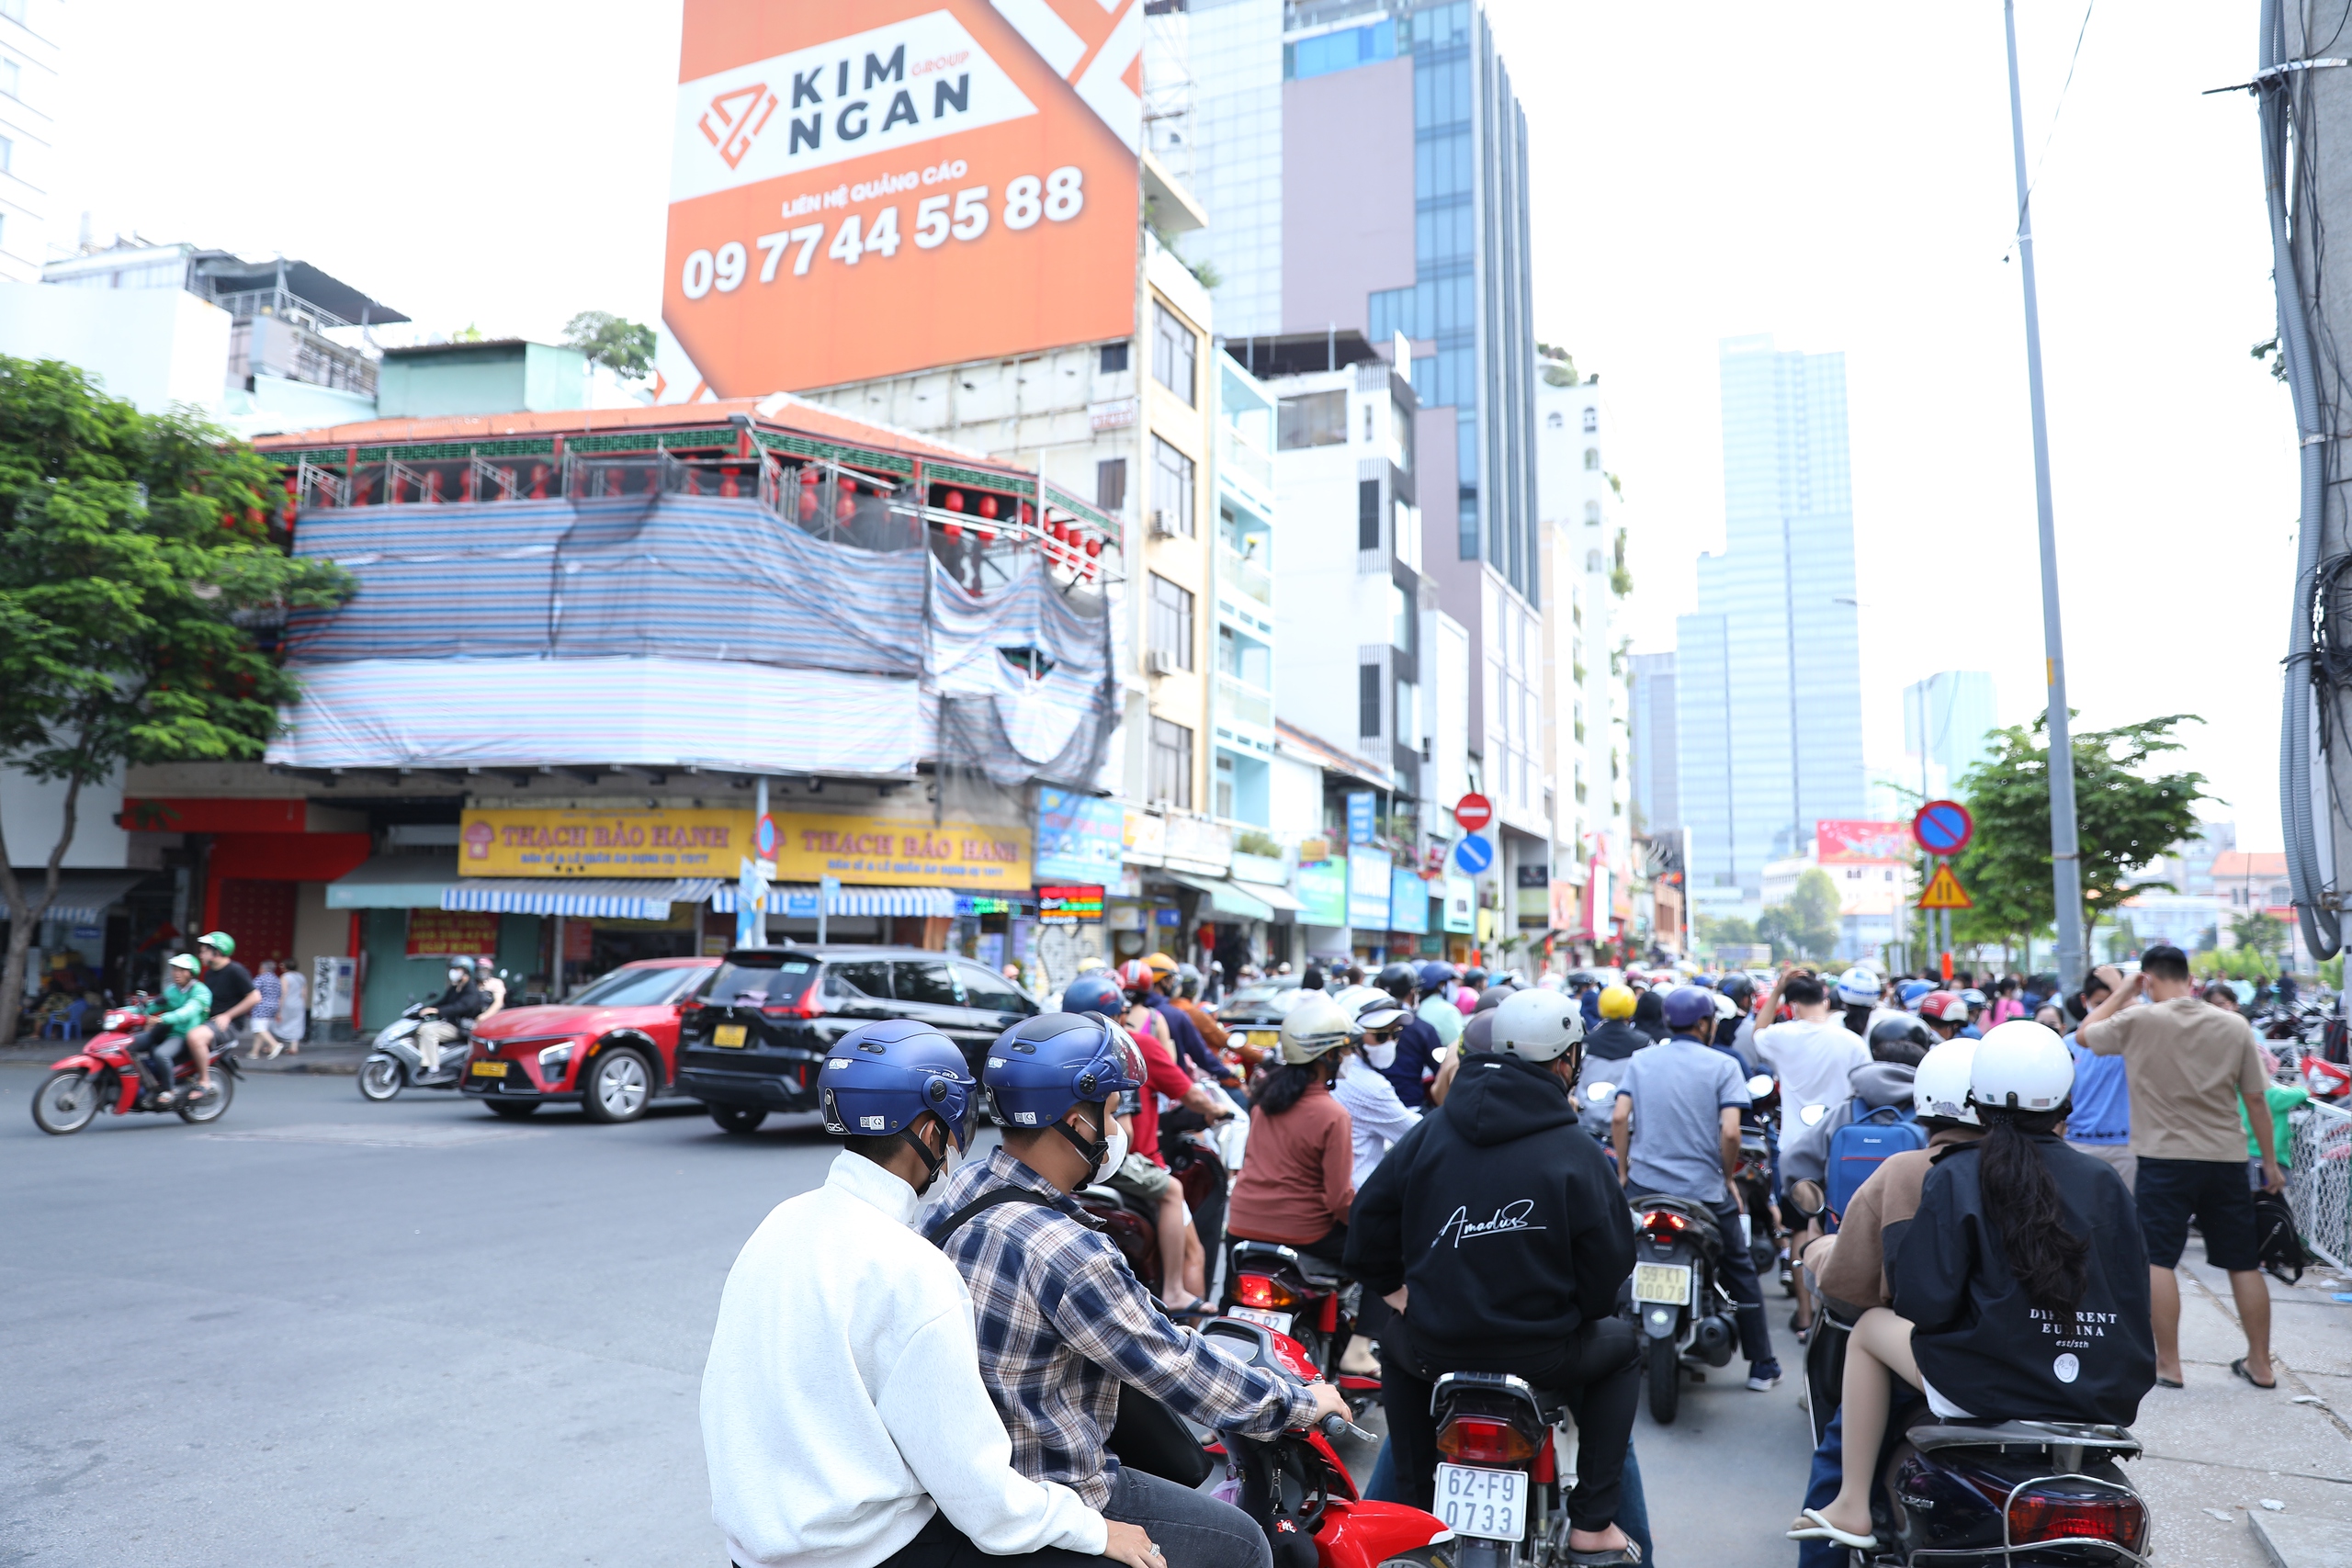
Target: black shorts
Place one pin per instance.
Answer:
(2169, 1191)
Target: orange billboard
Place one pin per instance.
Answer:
(863, 191)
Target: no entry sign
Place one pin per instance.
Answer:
(1474, 812)
(1943, 827)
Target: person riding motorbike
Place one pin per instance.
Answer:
(1297, 1184)
(1944, 1012)
(2030, 1247)
(1897, 1047)
(843, 1334)
(1496, 1233)
(1376, 1117)
(1187, 998)
(1419, 1040)
(447, 1015)
(1436, 1008)
(1675, 1129)
(1151, 980)
(1742, 992)
(234, 996)
(1063, 1321)
(187, 1002)
(1616, 1038)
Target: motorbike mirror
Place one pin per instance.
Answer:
(1811, 1114)
(1761, 1085)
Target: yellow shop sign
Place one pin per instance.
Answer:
(894, 851)
(604, 842)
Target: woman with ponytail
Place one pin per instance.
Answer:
(2021, 1287)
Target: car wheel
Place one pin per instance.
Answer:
(65, 1102)
(512, 1110)
(380, 1078)
(737, 1118)
(618, 1086)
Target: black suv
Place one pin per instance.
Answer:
(757, 1040)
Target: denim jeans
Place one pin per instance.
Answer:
(1192, 1529)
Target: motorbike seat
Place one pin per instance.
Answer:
(1320, 1272)
(1935, 1433)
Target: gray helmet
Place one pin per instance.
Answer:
(1188, 981)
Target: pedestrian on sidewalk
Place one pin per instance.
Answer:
(2100, 1122)
(2189, 1066)
(281, 1033)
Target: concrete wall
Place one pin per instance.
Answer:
(33, 813)
(154, 346)
(492, 379)
(1347, 193)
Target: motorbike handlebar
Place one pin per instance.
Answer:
(1336, 1426)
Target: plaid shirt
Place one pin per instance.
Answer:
(1063, 1322)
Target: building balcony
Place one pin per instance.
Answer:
(1244, 706)
(1241, 459)
(1244, 577)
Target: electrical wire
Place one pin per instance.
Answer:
(2056, 110)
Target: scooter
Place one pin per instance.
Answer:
(394, 1063)
(1679, 1302)
(1499, 1471)
(1306, 1299)
(103, 1075)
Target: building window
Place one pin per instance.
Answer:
(1592, 560)
(1592, 459)
(1111, 484)
(1115, 357)
(1173, 350)
(1555, 420)
(1591, 420)
(1171, 764)
(1367, 514)
(1172, 621)
(1592, 512)
(1172, 485)
(1367, 700)
(1313, 419)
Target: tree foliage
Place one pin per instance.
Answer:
(1807, 926)
(2258, 932)
(136, 563)
(619, 344)
(2125, 816)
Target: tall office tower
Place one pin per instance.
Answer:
(1947, 719)
(1657, 803)
(1768, 671)
(1362, 163)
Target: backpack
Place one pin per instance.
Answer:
(1862, 1144)
(2281, 1245)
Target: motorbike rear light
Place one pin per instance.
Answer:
(2040, 1515)
(1259, 1291)
(1666, 1219)
(1476, 1439)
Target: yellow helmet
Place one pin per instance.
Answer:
(1160, 966)
(1616, 1001)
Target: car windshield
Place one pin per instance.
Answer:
(634, 987)
(1263, 990)
(757, 982)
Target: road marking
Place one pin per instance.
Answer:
(363, 1135)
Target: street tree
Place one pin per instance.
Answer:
(2126, 815)
(1807, 926)
(623, 346)
(2258, 932)
(136, 565)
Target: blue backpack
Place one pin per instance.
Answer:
(1862, 1144)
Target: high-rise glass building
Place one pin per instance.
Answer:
(1947, 720)
(1768, 672)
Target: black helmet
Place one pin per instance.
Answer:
(1739, 989)
(1399, 980)
(1494, 996)
(1474, 979)
(1903, 1041)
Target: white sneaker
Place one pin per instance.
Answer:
(1762, 1384)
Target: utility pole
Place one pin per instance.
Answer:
(2065, 862)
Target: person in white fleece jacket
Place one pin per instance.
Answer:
(843, 1418)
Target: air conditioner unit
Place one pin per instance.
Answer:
(1163, 523)
(1159, 661)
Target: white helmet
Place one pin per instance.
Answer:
(1858, 986)
(1726, 1008)
(1314, 1028)
(1536, 1025)
(2021, 1065)
(1939, 1086)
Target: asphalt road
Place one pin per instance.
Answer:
(328, 1333)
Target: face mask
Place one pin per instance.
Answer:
(1113, 1156)
(457, 976)
(1382, 1057)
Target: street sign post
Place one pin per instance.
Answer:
(828, 889)
(1944, 892)
(1943, 827)
(1474, 812)
(1474, 854)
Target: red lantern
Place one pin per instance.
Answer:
(953, 500)
(1026, 515)
(844, 508)
(953, 530)
(1093, 547)
(808, 476)
(808, 503)
(987, 506)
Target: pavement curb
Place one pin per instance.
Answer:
(2292, 1542)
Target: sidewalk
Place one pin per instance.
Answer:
(2219, 1448)
(342, 1057)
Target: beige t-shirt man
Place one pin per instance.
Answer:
(2187, 1062)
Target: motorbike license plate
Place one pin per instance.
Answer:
(1265, 1039)
(1488, 1504)
(728, 1034)
(489, 1069)
(1668, 1283)
(1277, 1321)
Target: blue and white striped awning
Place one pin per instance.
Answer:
(614, 900)
(799, 901)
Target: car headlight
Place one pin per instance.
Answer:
(554, 1059)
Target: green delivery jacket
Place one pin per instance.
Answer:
(185, 1007)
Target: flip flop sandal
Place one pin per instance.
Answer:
(1631, 1553)
(2238, 1367)
(2168, 1383)
(1824, 1530)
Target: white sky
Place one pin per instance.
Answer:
(1834, 174)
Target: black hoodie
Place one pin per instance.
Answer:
(1500, 1213)
(1615, 1040)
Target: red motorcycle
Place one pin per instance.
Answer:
(105, 1075)
(1305, 1300)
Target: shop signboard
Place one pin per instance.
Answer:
(1080, 836)
(332, 984)
(1359, 804)
(1323, 894)
(933, 182)
(1843, 843)
(1461, 905)
(1597, 909)
(1409, 901)
(893, 851)
(1061, 905)
(1564, 896)
(605, 840)
(1368, 888)
(1196, 844)
(451, 933)
(1143, 837)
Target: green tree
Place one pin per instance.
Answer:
(624, 346)
(2258, 932)
(1715, 932)
(1807, 925)
(2125, 816)
(136, 558)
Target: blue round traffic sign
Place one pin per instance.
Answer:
(1474, 854)
(1943, 827)
(763, 835)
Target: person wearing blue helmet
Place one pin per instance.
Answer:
(1677, 1132)
(842, 1333)
(1064, 1323)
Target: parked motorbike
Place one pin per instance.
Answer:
(1498, 1473)
(394, 1063)
(1679, 1302)
(105, 1075)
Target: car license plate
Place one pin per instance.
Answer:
(490, 1070)
(728, 1034)
(1277, 1321)
(1488, 1504)
(1667, 1283)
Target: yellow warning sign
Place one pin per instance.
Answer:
(1944, 892)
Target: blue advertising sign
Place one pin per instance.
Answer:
(1360, 803)
(1409, 901)
(1474, 854)
(1080, 836)
(1323, 893)
(1368, 888)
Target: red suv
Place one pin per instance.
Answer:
(611, 1048)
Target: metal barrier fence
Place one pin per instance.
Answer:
(2319, 1182)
